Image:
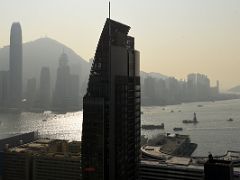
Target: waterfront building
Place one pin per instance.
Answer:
(44, 89)
(198, 86)
(60, 97)
(74, 91)
(31, 92)
(10, 141)
(154, 170)
(111, 108)
(149, 90)
(15, 66)
(66, 95)
(3, 88)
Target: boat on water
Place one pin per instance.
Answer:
(178, 129)
(200, 105)
(149, 126)
(230, 119)
(194, 121)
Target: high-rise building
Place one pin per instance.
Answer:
(31, 92)
(44, 89)
(15, 66)
(74, 98)
(3, 88)
(111, 108)
(60, 96)
(66, 95)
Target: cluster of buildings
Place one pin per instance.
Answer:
(36, 96)
(172, 91)
(41, 159)
(66, 94)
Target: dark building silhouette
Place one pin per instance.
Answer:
(155, 170)
(111, 108)
(15, 66)
(44, 94)
(61, 87)
(218, 169)
(31, 92)
(149, 95)
(3, 88)
(66, 94)
(74, 91)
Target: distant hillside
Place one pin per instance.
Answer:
(235, 89)
(45, 52)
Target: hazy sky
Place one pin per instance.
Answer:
(175, 37)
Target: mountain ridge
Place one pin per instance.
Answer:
(235, 89)
(46, 52)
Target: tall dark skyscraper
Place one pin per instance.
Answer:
(15, 66)
(111, 108)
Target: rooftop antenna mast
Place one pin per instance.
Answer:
(109, 41)
(109, 10)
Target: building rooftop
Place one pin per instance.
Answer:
(49, 148)
(153, 156)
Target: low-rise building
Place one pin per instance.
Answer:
(43, 159)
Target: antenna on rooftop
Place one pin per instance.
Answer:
(109, 10)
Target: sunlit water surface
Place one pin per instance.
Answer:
(213, 133)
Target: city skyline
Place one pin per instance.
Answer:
(195, 36)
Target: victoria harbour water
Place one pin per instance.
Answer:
(213, 133)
